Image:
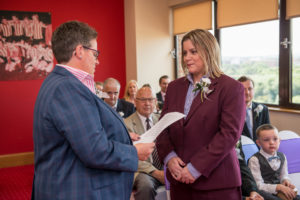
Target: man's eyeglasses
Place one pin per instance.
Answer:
(112, 93)
(144, 100)
(96, 52)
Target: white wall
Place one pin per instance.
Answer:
(130, 40)
(153, 41)
(285, 120)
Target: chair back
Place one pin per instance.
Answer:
(249, 147)
(287, 134)
(290, 146)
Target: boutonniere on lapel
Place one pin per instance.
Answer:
(258, 109)
(121, 113)
(203, 87)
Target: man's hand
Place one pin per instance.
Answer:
(175, 165)
(159, 175)
(254, 196)
(186, 176)
(134, 136)
(289, 193)
(144, 150)
(288, 184)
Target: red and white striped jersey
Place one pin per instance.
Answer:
(6, 29)
(18, 27)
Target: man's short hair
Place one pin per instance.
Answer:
(67, 36)
(265, 127)
(111, 80)
(163, 77)
(99, 83)
(245, 78)
(147, 85)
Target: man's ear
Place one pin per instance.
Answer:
(257, 142)
(78, 52)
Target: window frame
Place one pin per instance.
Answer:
(285, 58)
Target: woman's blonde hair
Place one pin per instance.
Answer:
(208, 49)
(126, 94)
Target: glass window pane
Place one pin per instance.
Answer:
(296, 60)
(252, 50)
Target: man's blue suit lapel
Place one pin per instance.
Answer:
(64, 72)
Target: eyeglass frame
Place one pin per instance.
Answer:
(96, 52)
(144, 100)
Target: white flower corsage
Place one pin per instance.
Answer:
(258, 109)
(203, 87)
(121, 113)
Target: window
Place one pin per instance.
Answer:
(253, 50)
(296, 60)
(268, 52)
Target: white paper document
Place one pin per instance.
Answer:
(152, 133)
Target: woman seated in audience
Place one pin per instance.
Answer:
(130, 91)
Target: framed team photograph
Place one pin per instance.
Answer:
(25, 45)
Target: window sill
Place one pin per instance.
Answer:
(285, 110)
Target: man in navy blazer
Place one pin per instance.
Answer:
(82, 148)
(112, 88)
(259, 113)
(163, 84)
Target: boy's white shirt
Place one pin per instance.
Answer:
(254, 166)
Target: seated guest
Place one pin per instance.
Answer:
(112, 88)
(130, 91)
(150, 173)
(99, 85)
(256, 114)
(163, 84)
(269, 167)
(99, 89)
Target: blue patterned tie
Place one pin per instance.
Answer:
(248, 122)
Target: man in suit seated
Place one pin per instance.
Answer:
(256, 114)
(112, 88)
(163, 84)
(150, 173)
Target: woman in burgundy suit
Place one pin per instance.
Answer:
(199, 150)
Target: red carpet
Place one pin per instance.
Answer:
(16, 183)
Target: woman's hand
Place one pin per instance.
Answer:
(175, 165)
(186, 176)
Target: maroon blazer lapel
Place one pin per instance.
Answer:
(184, 88)
(181, 101)
(198, 101)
